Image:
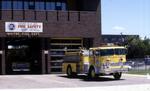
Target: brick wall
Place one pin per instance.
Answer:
(18, 15)
(6, 15)
(83, 24)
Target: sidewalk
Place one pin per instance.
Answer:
(61, 82)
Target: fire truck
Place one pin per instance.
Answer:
(98, 61)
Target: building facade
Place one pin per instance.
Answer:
(116, 39)
(34, 34)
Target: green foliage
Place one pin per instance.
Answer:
(137, 48)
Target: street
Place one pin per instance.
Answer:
(61, 81)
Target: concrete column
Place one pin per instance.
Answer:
(48, 63)
(48, 56)
(3, 57)
(43, 63)
(43, 56)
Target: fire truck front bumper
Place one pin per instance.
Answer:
(115, 69)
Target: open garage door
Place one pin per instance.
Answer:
(23, 56)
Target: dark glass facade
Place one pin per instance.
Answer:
(117, 39)
(33, 5)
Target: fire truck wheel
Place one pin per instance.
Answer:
(69, 71)
(117, 75)
(91, 73)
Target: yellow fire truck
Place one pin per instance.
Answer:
(105, 60)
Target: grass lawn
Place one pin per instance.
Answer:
(139, 72)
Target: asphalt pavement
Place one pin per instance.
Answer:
(62, 81)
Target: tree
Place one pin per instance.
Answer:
(137, 48)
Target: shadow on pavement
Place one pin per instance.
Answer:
(97, 79)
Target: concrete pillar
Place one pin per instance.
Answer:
(43, 56)
(3, 65)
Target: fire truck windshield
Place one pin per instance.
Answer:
(108, 52)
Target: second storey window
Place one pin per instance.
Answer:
(58, 6)
(6, 5)
(17, 5)
(26, 5)
(39, 5)
(50, 5)
(33, 5)
(64, 6)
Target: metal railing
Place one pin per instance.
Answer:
(138, 65)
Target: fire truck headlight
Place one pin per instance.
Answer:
(106, 64)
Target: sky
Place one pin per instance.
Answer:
(126, 16)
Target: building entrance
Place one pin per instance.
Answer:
(23, 56)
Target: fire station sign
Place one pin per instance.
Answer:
(23, 27)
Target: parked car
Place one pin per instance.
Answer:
(147, 60)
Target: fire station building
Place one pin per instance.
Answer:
(34, 34)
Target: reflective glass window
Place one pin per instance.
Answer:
(31, 5)
(50, 5)
(53, 5)
(39, 5)
(107, 52)
(35, 5)
(58, 6)
(6, 5)
(120, 51)
(26, 6)
(63, 6)
(18, 5)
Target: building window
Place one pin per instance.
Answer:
(39, 5)
(64, 6)
(58, 6)
(50, 5)
(114, 40)
(26, 5)
(6, 5)
(106, 40)
(18, 5)
(31, 5)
